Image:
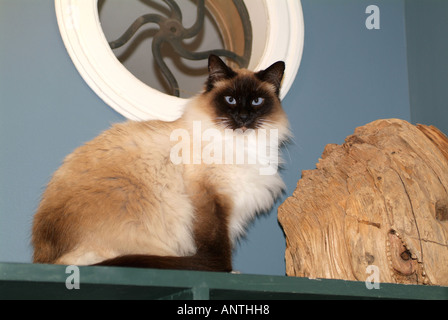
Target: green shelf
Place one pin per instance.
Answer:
(33, 281)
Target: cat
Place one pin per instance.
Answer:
(121, 200)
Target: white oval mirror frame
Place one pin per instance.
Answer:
(282, 36)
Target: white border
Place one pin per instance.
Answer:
(87, 46)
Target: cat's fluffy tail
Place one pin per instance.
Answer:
(195, 262)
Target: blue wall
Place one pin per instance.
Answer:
(349, 76)
(427, 43)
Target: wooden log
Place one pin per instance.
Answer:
(379, 199)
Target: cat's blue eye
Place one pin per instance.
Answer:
(257, 102)
(230, 100)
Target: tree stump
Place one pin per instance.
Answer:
(379, 199)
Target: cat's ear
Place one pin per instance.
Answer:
(273, 75)
(217, 70)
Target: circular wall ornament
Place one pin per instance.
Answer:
(278, 34)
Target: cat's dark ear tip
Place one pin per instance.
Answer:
(214, 59)
(217, 70)
(273, 74)
(280, 64)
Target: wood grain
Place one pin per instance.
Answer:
(380, 199)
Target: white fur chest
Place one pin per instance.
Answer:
(251, 181)
(251, 193)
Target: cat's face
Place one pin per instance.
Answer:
(242, 99)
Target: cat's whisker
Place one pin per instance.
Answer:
(268, 125)
(263, 123)
(284, 146)
(223, 123)
(267, 120)
(290, 140)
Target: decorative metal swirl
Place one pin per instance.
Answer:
(173, 32)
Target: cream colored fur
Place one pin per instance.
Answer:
(121, 194)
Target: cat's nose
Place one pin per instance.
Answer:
(244, 116)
